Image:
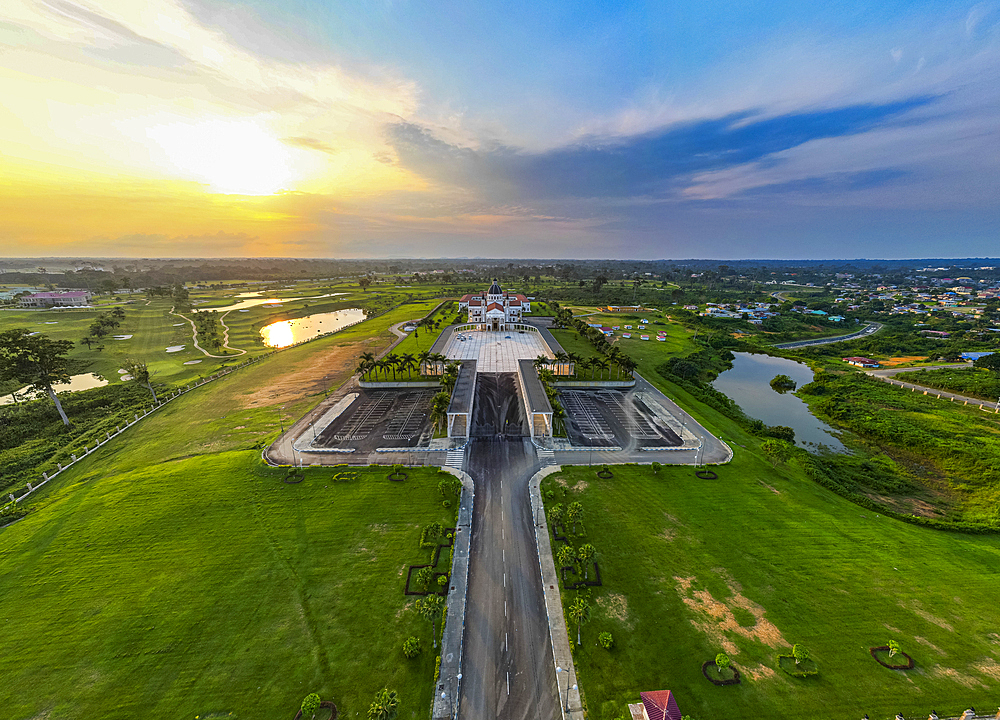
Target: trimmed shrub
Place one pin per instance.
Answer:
(411, 647)
(605, 640)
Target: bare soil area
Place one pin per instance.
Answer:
(309, 375)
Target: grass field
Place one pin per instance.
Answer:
(757, 560)
(208, 587)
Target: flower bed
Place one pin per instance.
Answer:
(294, 478)
(705, 474)
(397, 477)
(885, 649)
(804, 669)
(605, 474)
(728, 676)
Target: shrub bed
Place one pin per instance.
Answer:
(806, 668)
(875, 651)
(706, 474)
(728, 676)
(326, 704)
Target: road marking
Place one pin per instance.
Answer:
(505, 608)
(506, 645)
(505, 579)
(508, 682)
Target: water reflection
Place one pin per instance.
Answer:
(75, 384)
(748, 384)
(288, 332)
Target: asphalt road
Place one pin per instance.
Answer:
(507, 670)
(868, 329)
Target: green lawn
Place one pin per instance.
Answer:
(760, 559)
(208, 587)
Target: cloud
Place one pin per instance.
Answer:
(653, 163)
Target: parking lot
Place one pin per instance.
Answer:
(605, 418)
(381, 418)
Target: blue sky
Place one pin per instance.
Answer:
(553, 129)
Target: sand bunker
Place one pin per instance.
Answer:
(126, 377)
(179, 324)
(122, 371)
(192, 362)
(123, 337)
(175, 348)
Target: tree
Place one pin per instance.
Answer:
(989, 362)
(777, 451)
(408, 362)
(424, 577)
(430, 608)
(800, 654)
(140, 373)
(449, 486)
(310, 705)
(782, 383)
(574, 513)
(721, 661)
(556, 513)
(364, 282)
(35, 360)
(411, 647)
(439, 408)
(385, 706)
(605, 640)
(566, 557)
(586, 553)
(579, 612)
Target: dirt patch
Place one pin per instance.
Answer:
(989, 666)
(380, 528)
(941, 623)
(775, 490)
(907, 505)
(928, 643)
(953, 674)
(308, 376)
(714, 617)
(890, 628)
(615, 605)
(240, 427)
(994, 638)
(668, 534)
(760, 672)
(580, 486)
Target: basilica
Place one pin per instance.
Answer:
(495, 309)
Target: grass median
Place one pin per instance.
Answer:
(209, 587)
(758, 560)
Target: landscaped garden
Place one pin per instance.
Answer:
(752, 564)
(218, 587)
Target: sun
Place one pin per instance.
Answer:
(237, 157)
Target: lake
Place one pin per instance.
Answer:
(256, 301)
(288, 332)
(75, 384)
(748, 384)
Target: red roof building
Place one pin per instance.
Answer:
(655, 705)
(494, 309)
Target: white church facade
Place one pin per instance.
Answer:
(494, 309)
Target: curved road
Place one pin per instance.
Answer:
(887, 374)
(869, 329)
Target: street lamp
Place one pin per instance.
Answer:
(458, 679)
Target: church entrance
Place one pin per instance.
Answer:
(496, 324)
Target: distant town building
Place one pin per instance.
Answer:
(623, 308)
(494, 309)
(73, 298)
(861, 362)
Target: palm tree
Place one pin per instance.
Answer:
(574, 359)
(392, 361)
(579, 611)
(423, 357)
(439, 408)
(407, 362)
(586, 553)
(628, 365)
(430, 608)
(385, 706)
(603, 365)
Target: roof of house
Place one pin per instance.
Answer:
(660, 705)
(858, 359)
(70, 294)
(476, 301)
(494, 306)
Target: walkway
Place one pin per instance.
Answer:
(496, 351)
(225, 336)
(886, 375)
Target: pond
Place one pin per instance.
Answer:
(748, 384)
(288, 332)
(255, 301)
(76, 383)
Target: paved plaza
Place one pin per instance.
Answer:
(496, 352)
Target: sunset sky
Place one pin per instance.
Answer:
(722, 129)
